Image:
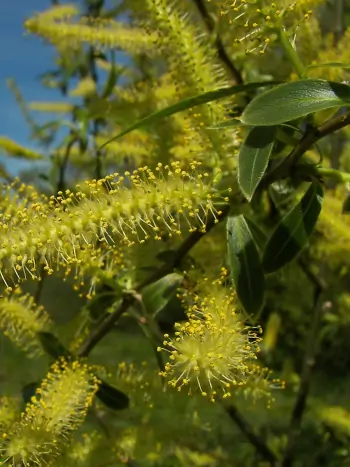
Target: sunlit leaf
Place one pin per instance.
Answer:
(254, 157)
(293, 100)
(189, 103)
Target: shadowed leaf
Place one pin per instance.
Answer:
(28, 391)
(52, 346)
(112, 397)
(157, 295)
(346, 205)
(245, 264)
(292, 233)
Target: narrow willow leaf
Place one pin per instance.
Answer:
(272, 328)
(189, 103)
(245, 264)
(110, 83)
(260, 238)
(112, 397)
(52, 345)
(157, 295)
(292, 233)
(226, 124)
(345, 66)
(294, 100)
(28, 391)
(254, 157)
(346, 205)
(112, 79)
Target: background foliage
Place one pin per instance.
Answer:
(136, 251)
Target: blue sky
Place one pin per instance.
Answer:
(22, 57)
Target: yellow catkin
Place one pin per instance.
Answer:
(213, 351)
(13, 149)
(58, 408)
(54, 107)
(138, 206)
(255, 23)
(194, 70)
(95, 31)
(21, 319)
(85, 88)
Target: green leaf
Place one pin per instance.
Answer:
(29, 390)
(52, 346)
(294, 100)
(82, 118)
(292, 233)
(189, 103)
(110, 83)
(345, 66)
(346, 205)
(112, 397)
(254, 157)
(112, 79)
(226, 124)
(157, 295)
(245, 264)
(259, 236)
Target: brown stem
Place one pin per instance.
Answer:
(283, 169)
(308, 364)
(222, 54)
(97, 334)
(337, 141)
(259, 444)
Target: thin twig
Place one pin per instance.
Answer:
(259, 444)
(95, 123)
(64, 164)
(130, 298)
(40, 286)
(340, 21)
(60, 187)
(283, 169)
(222, 54)
(308, 364)
(337, 141)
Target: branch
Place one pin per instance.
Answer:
(248, 431)
(283, 169)
(308, 364)
(64, 163)
(40, 286)
(130, 298)
(222, 54)
(95, 123)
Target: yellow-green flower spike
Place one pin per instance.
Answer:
(58, 408)
(21, 319)
(214, 349)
